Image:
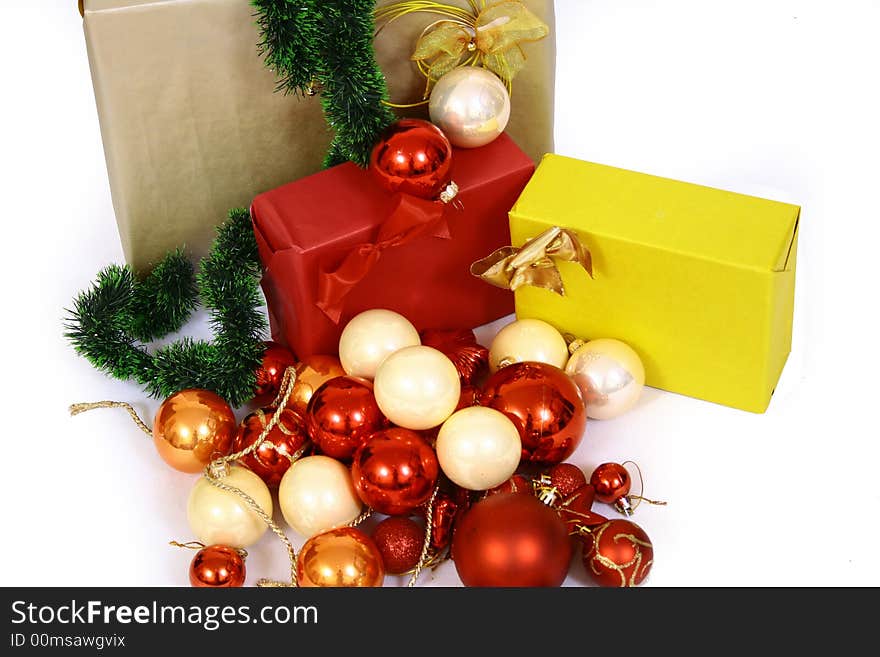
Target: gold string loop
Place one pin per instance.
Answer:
(218, 469)
(426, 546)
(490, 36)
(628, 509)
(76, 409)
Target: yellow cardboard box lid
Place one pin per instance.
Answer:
(698, 221)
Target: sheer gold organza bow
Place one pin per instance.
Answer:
(534, 262)
(484, 35)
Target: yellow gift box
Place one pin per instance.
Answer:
(699, 281)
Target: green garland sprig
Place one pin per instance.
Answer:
(329, 44)
(110, 323)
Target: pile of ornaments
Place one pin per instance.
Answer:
(462, 447)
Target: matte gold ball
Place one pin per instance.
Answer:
(528, 340)
(372, 336)
(478, 448)
(317, 494)
(220, 517)
(417, 387)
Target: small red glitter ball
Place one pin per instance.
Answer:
(566, 478)
(400, 541)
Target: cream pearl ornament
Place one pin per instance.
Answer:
(372, 336)
(218, 517)
(417, 388)
(610, 376)
(478, 448)
(316, 494)
(471, 105)
(528, 340)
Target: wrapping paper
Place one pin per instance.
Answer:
(309, 226)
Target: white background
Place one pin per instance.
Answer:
(778, 99)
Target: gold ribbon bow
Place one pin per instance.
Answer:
(534, 262)
(488, 36)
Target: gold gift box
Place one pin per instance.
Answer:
(699, 281)
(192, 125)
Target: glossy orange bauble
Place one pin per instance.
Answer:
(511, 540)
(272, 458)
(276, 359)
(414, 157)
(544, 404)
(618, 553)
(217, 566)
(192, 428)
(342, 414)
(340, 557)
(394, 471)
(311, 373)
(611, 481)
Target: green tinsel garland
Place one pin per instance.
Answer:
(328, 44)
(110, 321)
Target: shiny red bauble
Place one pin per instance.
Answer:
(217, 566)
(341, 414)
(414, 157)
(276, 359)
(460, 346)
(511, 540)
(611, 481)
(544, 404)
(394, 471)
(273, 457)
(618, 553)
(400, 541)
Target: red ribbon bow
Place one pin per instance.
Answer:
(411, 218)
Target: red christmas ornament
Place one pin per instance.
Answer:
(448, 507)
(576, 511)
(400, 541)
(618, 553)
(511, 540)
(217, 566)
(460, 346)
(566, 478)
(544, 404)
(611, 481)
(276, 359)
(394, 471)
(272, 458)
(342, 414)
(516, 484)
(414, 157)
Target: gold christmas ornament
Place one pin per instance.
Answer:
(528, 340)
(372, 336)
(417, 387)
(317, 494)
(470, 105)
(221, 517)
(610, 375)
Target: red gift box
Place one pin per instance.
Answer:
(309, 227)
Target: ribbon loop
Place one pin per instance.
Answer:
(534, 263)
(412, 217)
(491, 37)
